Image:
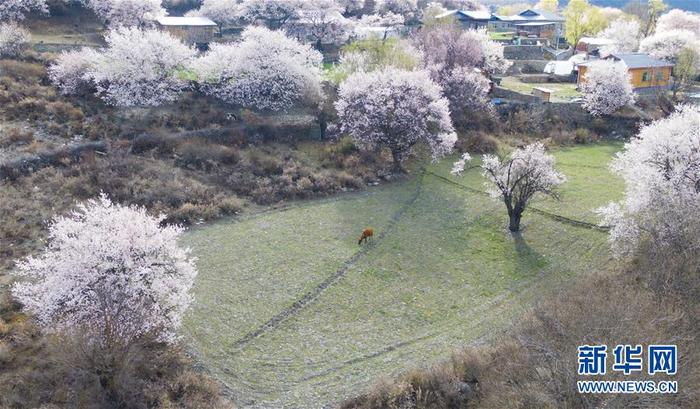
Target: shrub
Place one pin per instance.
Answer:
(13, 39)
(16, 136)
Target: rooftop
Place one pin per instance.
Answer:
(640, 60)
(635, 60)
(542, 15)
(185, 21)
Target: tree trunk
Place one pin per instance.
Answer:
(514, 224)
(396, 155)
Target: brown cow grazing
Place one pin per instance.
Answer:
(366, 234)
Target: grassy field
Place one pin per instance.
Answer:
(564, 91)
(289, 312)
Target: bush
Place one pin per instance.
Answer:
(13, 39)
(477, 142)
(16, 136)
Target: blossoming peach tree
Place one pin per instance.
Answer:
(396, 109)
(528, 171)
(109, 272)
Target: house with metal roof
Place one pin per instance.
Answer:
(199, 31)
(470, 19)
(535, 23)
(647, 72)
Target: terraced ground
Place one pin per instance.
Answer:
(291, 313)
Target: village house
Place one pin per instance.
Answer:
(647, 73)
(470, 20)
(199, 31)
(535, 23)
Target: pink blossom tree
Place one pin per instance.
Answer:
(395, 109)
(661, 171)
(13, 39)
(467, 90)
(140, 67)
(110, 272)
(266, 70)
(17, 9)
(528, 172)
(606, 87)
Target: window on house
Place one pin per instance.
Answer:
(660, 76)
(646, 76)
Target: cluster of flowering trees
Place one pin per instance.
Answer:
(109, 272)
(661, 170)
(265, 70)
(138, 67)
(528, 171)
(607, 87)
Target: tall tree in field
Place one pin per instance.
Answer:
(17, 9)
(606, 87)
(266, 70)
(528, 172)
(140, 67)
(661, 171)
(109, 272)
(395, 109)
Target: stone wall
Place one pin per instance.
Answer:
(524, 52)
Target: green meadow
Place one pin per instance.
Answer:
(290, 312)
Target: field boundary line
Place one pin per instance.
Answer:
(553, 216)
(320, 288)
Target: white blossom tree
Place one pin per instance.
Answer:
(117, 13)
(661, 171)
(271, 13)
(677, 19)
(395, 109)
(320, 22)
(388, 21)
(110, 272)
(529, 171)
(223, 12)
(625, 35)
(266, 70)
(606, 87)
(17, 9)
(140, 67)
(70, 72)
(374, 54)
(667, 45)
(13, 39)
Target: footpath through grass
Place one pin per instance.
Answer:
(445, 273)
